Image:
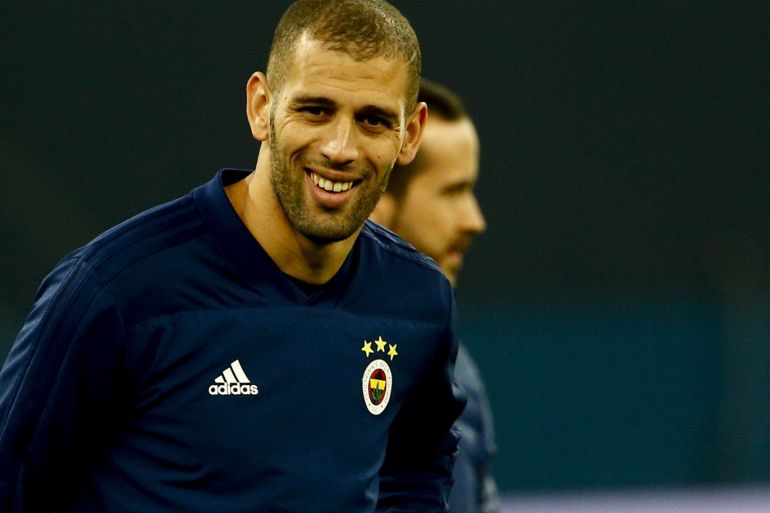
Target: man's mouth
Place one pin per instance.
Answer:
(330, 185)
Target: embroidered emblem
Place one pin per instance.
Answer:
(377, 382)
(376, 386)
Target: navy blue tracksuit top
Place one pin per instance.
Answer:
(170, 366)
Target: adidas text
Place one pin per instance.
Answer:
(233, 389)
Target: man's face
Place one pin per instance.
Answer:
(438, 213)
(336, 128)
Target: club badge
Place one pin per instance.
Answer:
(377, 381)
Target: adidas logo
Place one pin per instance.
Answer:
(233, 381)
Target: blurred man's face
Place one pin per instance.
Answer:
(438, 213)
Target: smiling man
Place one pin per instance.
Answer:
(256, 345)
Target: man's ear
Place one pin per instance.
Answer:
(414, 128)
(258, 106)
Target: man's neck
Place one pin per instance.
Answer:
(294, 254)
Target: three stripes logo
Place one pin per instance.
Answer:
(233, 381)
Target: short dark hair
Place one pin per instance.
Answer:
(441, 101)
(363, 29)
(442, 104)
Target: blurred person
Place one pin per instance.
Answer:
(431, 203)
(256, 345)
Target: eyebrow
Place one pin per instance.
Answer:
(312, 100)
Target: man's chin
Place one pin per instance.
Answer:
(327, 234)
(324, 239)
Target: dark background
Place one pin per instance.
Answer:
(619, 303)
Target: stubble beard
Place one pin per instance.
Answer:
(328, 227)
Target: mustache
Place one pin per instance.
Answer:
(461, 243)
(325, 163)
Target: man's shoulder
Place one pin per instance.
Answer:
(398, 280)
(397, 249)
(143, 237)
(128, 263)
(140, 262)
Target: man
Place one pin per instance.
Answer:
(432, 205)
(257, 345)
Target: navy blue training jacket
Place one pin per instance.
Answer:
(170, 366)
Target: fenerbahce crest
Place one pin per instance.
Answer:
(377, 381)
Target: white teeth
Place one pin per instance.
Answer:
(330, 186)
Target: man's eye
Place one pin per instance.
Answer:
(458, 189)
(374, 121)
(313, 111)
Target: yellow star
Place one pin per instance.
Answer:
(380, 344)
(367, 348)
(392, 351)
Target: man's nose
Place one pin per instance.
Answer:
(339, 144)
(472, 219)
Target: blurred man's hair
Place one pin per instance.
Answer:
(442, 104)
(441, 101)
(363, 29)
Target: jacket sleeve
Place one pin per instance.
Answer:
(57, 390)
(475, 489)
(489, 496)
(417, 472)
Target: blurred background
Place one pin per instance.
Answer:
(619, 303)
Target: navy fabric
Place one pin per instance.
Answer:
(475, 489)
(169, 366)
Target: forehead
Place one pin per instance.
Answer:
(318, 72)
